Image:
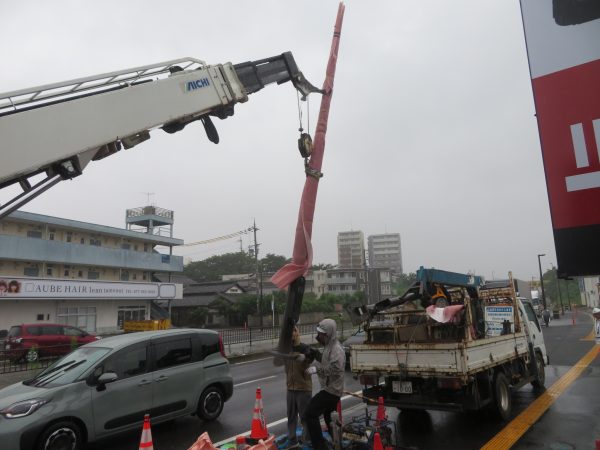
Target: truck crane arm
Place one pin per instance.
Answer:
(53, 131)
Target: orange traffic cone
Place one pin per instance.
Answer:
(380, 411)
(339, 411)
(377, 444)
(146, 441)
(259, 425)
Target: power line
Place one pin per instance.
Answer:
(220, 238)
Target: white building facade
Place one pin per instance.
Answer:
(91, 276)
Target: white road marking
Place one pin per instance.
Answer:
(272, 424)
(254, 381)
(248, 362)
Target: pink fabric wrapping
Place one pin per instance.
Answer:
(203, 443)
(302, 254)
(445, 314)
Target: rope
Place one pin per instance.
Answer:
(300, 129)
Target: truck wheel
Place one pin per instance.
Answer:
(502, 397)
(540, 380)
(211, 403)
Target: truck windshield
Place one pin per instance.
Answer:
(68, 369)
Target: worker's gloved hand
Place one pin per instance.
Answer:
(311, 370)
(301, 348)
(300, 357)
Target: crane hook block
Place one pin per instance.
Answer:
(305, 145)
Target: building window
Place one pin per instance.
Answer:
(130, 313)
(125, 275)
(80, 273)
(31, 271)
(145, 276)
(134, 276)
(135, 247)
(34, 234)
(93, 275)
(82, 241)
(51, 235)
(69, 236)
(125, 246)
(83, 317)
(49, 271)
(96, 242)
(145, 247)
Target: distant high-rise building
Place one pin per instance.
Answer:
(385, 251)
(351, 249)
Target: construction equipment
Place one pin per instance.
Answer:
(450, 342)
(57, 129)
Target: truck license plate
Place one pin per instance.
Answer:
(402, 387)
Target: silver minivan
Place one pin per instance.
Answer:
(107, 387)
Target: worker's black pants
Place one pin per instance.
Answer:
(322, 403)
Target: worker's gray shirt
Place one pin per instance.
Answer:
(331, 369)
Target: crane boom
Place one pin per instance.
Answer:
(57, 129)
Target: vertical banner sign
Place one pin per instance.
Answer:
(563, 46)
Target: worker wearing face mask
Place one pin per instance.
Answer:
(330, 370)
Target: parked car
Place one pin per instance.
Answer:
(32, 341)
(107, 386)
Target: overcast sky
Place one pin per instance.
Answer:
(432, 132)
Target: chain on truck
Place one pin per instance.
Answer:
(451, 342)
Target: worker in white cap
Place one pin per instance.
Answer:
(330, 370)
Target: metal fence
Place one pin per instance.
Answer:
(21, 360)
(253, 334)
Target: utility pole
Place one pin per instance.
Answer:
(258, 277)
(542, 279)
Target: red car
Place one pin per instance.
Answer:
(32, 341)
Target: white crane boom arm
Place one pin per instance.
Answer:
(58, 129)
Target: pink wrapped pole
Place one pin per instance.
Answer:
(292, 274)
(302, 254)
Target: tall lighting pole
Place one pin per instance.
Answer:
(258, 277)
(562, 309)
(542, 279)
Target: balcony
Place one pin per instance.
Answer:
(14, 248)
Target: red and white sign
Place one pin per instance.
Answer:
(563, 45)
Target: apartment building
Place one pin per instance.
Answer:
(87, 275)
(385, 251)
(351, 249)
(375, 283)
